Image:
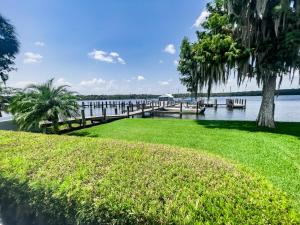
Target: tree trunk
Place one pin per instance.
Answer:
(267, 108)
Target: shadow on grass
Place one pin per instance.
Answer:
(287, 128)
(82, 134)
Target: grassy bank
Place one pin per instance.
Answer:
(78, 180)
(274, 155)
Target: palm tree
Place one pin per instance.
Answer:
(9, 47)
(43, 102)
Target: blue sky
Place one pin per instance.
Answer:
(104, 47)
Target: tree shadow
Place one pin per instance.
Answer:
(82, 134)
(286, 128)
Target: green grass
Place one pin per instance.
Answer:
(79, 180)
(273, 154)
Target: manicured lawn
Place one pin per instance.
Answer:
(78, 180)
(275, 155)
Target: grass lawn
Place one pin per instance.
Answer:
(76, 180)
(275, 155)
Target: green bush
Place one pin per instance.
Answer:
(76, 180)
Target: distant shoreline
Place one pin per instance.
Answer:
(185, 95)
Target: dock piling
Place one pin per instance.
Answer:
(83, 121)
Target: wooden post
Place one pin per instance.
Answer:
(83, 121)
(152, 108)
(197, 108)
(106, 104)
(82, 105)
(91, 111)
(116, 111)
(216, 103)
(143, 107)
(180, 109)
(128, 113)
(104, 114)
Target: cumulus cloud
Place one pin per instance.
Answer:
(32, 58)
(112, 57)
(140, 78)
(170, 48)
(39, 43)
(97, 86)
(200, 20)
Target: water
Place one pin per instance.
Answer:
(287, 108)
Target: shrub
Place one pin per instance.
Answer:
(73, 180)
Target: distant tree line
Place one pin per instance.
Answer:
(184, 95)
(241, 93)
(116, 97)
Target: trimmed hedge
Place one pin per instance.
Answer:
(73, 180)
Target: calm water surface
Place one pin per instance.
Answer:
(287, 108)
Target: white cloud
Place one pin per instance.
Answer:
(164, 83)
(114, 54)
(96, 86)
(62, 81)
(170, 48)
(89, 83)
(103, 56)
(39, 43)
(161, 61)
(200, 20)
(140, 78)
(32, 58)
(120, 60)
(176, 62)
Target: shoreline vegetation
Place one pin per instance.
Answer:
(185, 95)
(81, 180)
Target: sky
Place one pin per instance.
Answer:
(106, 46)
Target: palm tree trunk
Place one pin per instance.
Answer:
(267, 108)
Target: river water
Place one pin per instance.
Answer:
(287, 108)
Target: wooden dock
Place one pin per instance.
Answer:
(121, 110)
